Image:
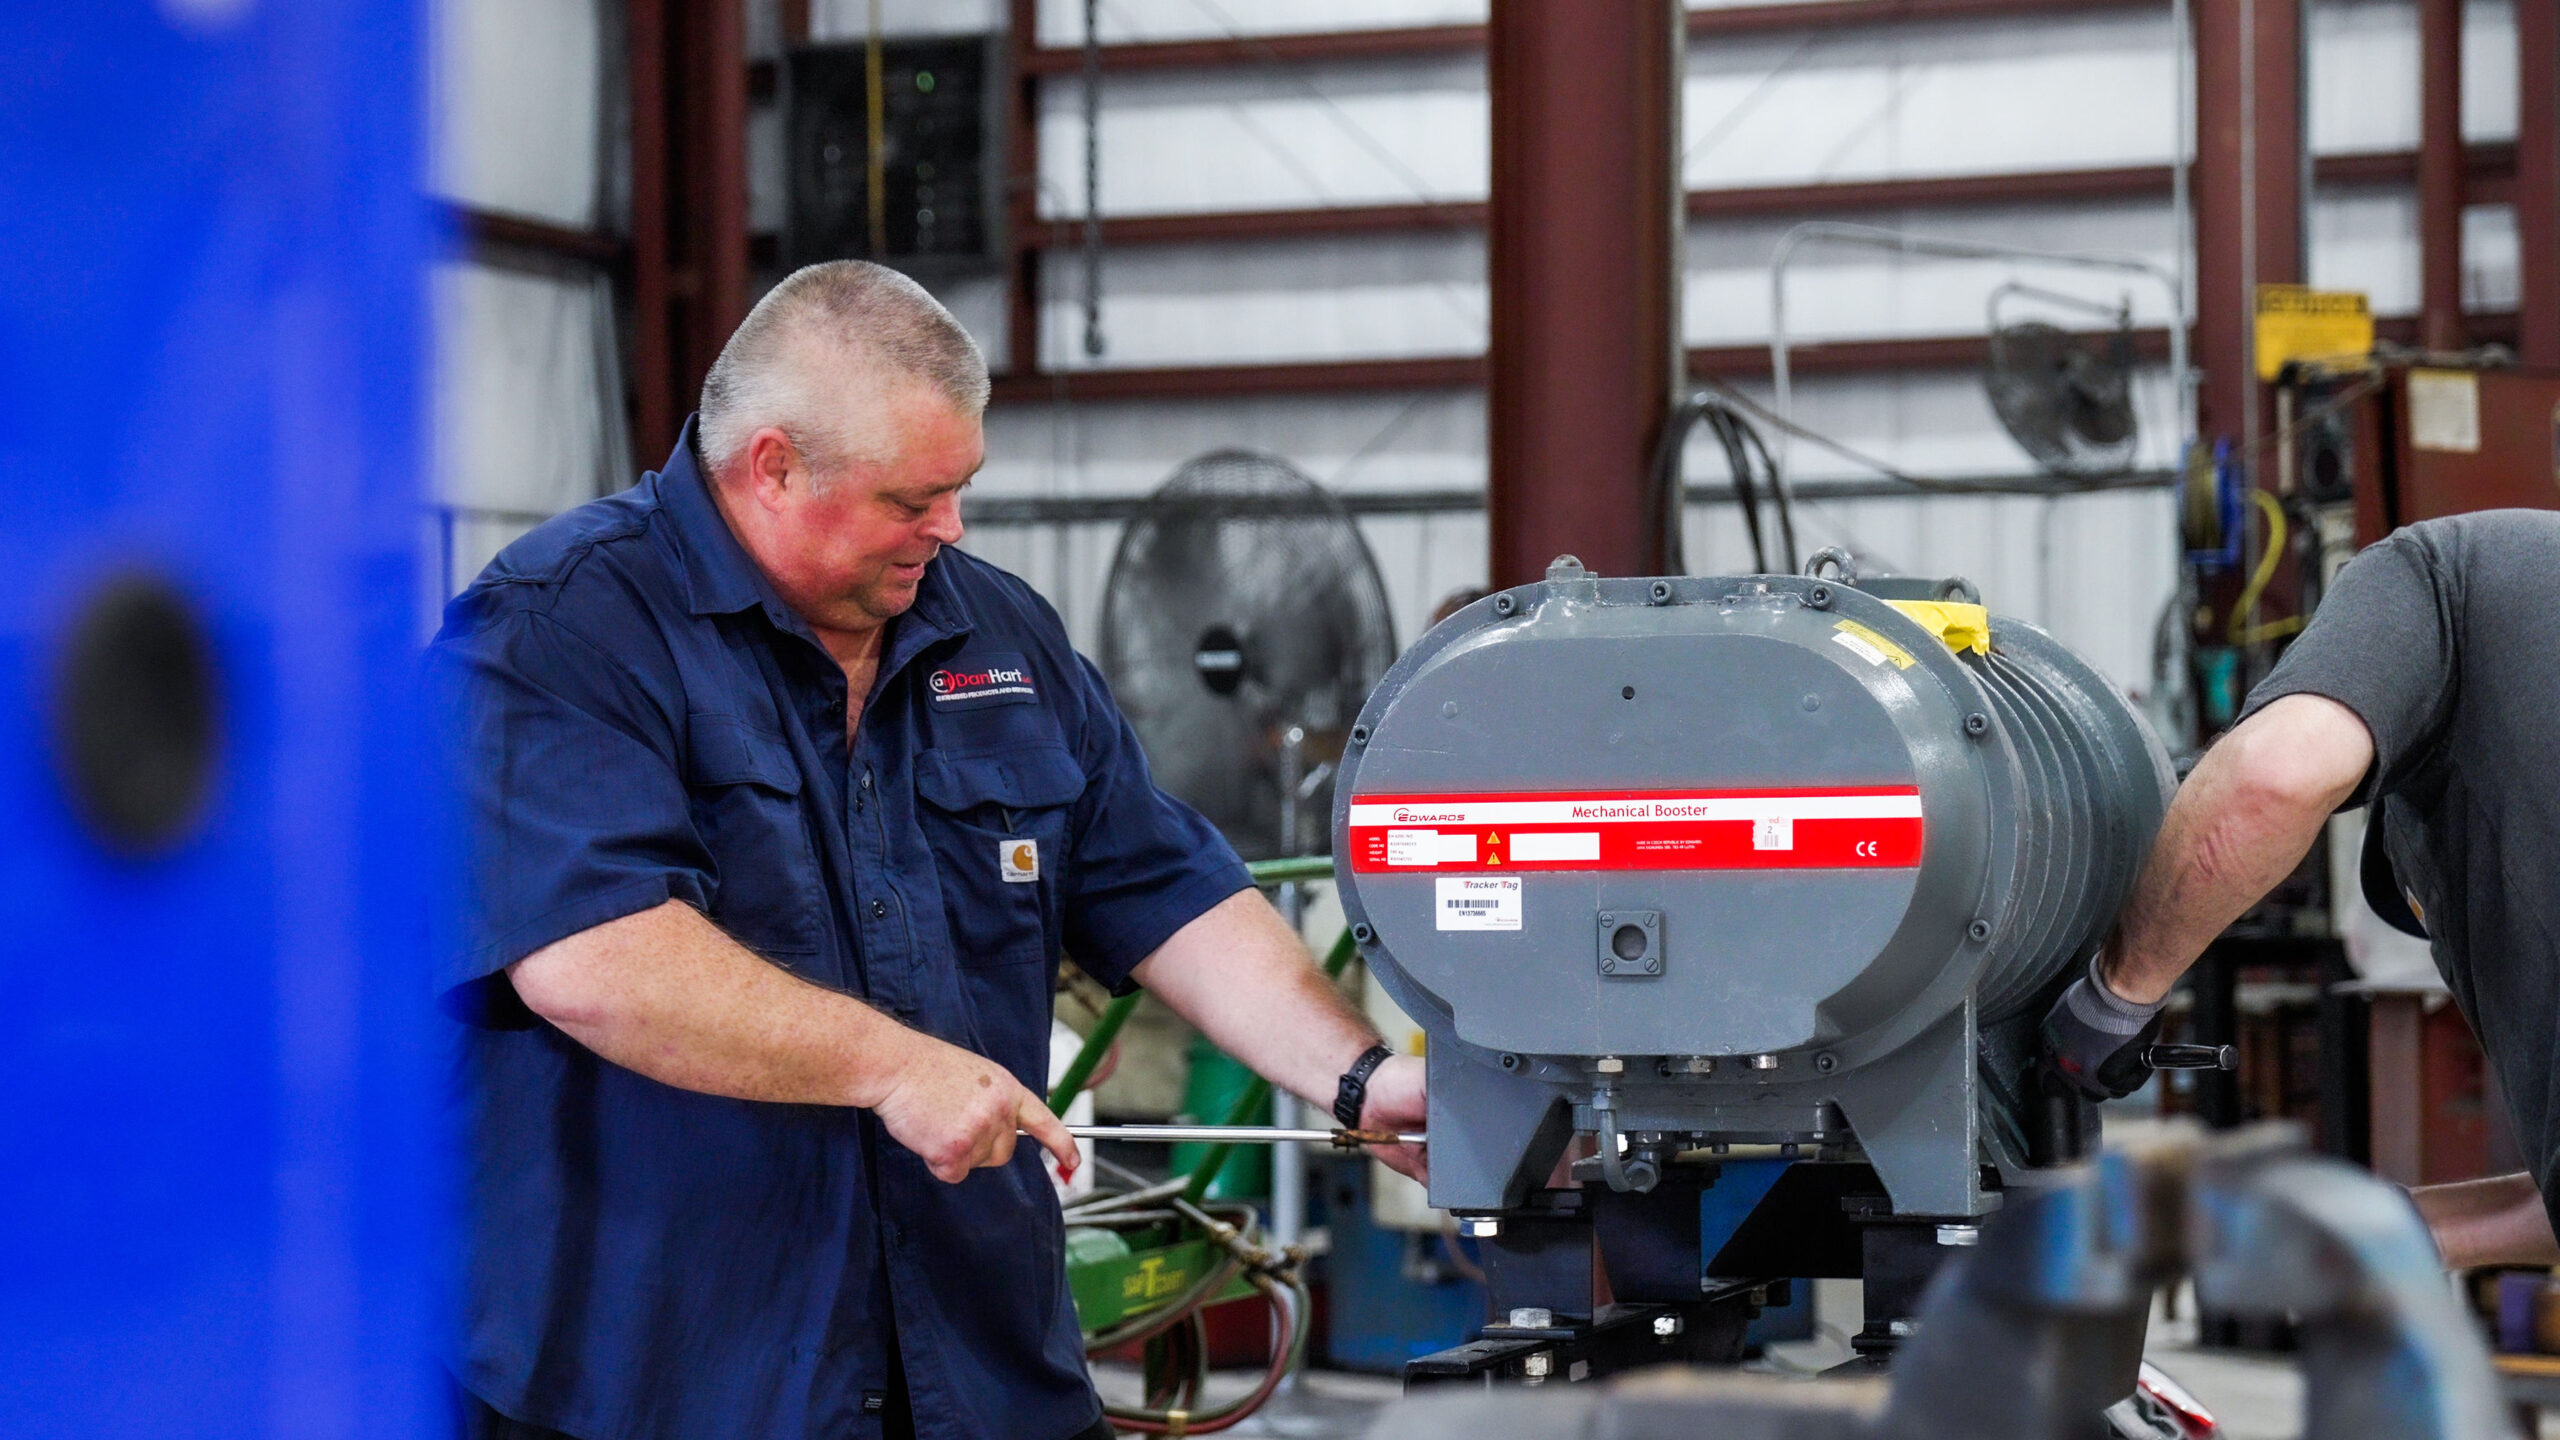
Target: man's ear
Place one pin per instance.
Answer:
(772, 463)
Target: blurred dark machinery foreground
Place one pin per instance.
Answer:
(2038, 1330)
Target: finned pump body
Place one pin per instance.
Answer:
(1684, 863)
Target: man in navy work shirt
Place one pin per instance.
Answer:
(2426, 686)
(781, 813)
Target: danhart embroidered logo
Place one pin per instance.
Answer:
(952, 685)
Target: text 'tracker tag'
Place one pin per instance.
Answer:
(1476, 902)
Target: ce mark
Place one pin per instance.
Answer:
(1869, 849)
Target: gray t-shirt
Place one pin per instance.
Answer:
(2445, 638)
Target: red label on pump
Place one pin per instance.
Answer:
(1869, 828)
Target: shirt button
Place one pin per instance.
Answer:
(879, 909)
(866, 779)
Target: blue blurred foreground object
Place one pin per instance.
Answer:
(216, 1172)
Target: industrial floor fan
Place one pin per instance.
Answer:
(2066, 399)
(1243, 624)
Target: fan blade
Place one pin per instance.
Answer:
(1243, 602)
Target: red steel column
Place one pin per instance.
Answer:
(2537, 191)
(689, 265)
(653, 420)
(1022, 189)
(1582, 255)
(711, 221)
(2440, 174)
(2248, 194)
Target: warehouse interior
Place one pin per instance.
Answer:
(1360, 371)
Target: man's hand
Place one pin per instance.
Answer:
(666, 994)
(1396, 1102)
(960, 1112)
(2095, 1037)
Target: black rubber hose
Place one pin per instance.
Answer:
(1778, 495)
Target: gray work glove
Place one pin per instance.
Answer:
(2094, 1037)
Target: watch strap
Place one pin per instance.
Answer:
(1353, 1094)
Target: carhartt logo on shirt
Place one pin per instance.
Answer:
(1018, 861)
(1001, 678)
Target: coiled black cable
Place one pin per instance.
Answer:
(1747, 460)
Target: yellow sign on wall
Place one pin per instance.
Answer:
(2296, 322)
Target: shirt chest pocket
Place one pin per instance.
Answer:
(745, 789)
(997, 822)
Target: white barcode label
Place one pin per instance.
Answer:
(1861, 648)
(1773, 832)
(1476, 902)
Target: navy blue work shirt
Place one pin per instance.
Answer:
(643, 719)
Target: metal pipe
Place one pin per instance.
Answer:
(1205, 1174)
(1022, 189)
(2440, 175)
(1132, 1200)
(2182, 200)
(1009, 511)
(2247, 352)
(2537, 185)
(1243, 1135)
(1092, 106)
(1581, 261)
(1105, 1030)
(1289, 1164)
(1304, 867)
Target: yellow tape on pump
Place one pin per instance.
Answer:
(1961, 627)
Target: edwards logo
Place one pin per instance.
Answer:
(999, 679)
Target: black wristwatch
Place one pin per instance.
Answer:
(1354, 1094)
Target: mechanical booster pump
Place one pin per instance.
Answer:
(1687, 864)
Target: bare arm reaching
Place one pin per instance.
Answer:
(1241, 976)
(2497, 1221)
(2240, 824)
(666, 994)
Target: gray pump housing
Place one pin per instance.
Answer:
(1744, 991)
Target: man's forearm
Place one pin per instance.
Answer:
(2498, 1221)
(2240, 824)
(667, 994)
(1240, 976)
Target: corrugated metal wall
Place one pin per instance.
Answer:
(528, 380)
(2363, 97)
(1905, 100)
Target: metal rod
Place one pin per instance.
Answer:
(2192, 1057)
(2182, 208)
(1214, 1160)
(1289, 1163)
(1092, 103)
(876, 136)
(1241, 1135)
(989, 512)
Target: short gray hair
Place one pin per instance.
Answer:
(786, 364)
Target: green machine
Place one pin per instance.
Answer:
(1143, 1263)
